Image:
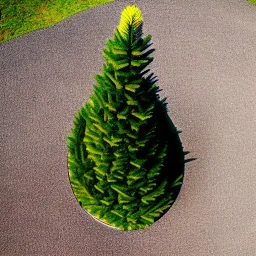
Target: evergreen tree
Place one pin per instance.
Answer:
(125, 157)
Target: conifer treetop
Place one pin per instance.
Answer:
(131, 16)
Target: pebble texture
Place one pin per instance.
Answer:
(205, 60)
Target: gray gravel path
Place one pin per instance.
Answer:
(206, 61)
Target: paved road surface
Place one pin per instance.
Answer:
(206, 64)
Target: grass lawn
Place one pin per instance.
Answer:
(252, 1)
(18, 17)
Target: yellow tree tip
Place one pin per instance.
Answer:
(131, 16)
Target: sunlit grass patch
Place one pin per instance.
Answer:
(18, 17)
(252, 1)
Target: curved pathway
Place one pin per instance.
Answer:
(206, 61)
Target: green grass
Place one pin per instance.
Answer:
(18, 17)
(252, 1)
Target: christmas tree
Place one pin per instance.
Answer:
(125, 158)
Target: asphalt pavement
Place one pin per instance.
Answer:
(205, 60)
